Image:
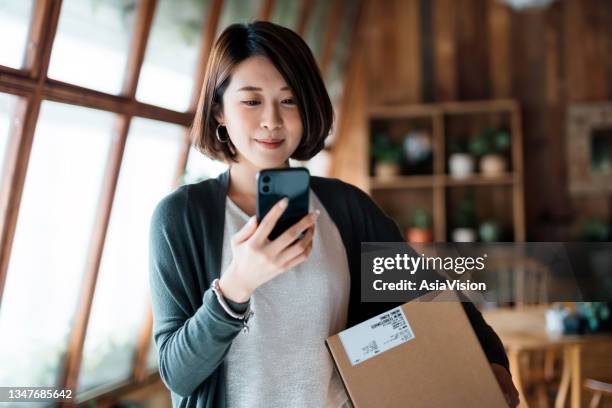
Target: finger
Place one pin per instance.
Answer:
(292, 233)
(246, 231)
(269, 221)
(301, 247)
(298, 259)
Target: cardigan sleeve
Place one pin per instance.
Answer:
(376, 226)
(190, 345)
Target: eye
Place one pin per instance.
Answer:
(289, 101)
(250, 103)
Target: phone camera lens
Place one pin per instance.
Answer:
(266, 179)
(265, 189)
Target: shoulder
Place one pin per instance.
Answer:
(337, 186)
(182, 200)
(169, 210)
(353, 195)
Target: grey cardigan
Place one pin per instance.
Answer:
(191, 330)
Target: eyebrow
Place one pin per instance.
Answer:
(254, 88)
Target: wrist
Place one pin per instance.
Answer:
(231, 288)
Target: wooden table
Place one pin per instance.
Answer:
(523, 330)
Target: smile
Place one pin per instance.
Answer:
(268, 143)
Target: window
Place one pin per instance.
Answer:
(314, 33)
(238, 11)
(7, 110)
(286, 13)
(152, 357)
(335, 75)
(87, 110)
(91, 44)
(169, 67)
(200, 167)
(14, 24)
(122, 292)
(51, 242)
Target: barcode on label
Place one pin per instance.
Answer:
(376, 335)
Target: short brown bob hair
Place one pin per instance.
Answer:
(292, 58)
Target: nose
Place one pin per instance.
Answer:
(271, 118)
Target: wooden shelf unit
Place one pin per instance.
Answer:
(392, 192)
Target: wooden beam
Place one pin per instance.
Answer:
(574, 55)
(208, 36)
(20, 144)
(139, 372)
(266, 10)
(76, 95)
(500, 68)
(409, 83)
(349, 151)
(14, 82)
(52, 90)
(142, 27)
(472, 50)
(445, 50)
(35, 45)
(331, 36)
(304, 16)
(74, 355)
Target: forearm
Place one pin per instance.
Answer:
(189, 354)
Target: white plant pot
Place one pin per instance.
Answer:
(386, 170)
(464, 235)
(493, 165)
(461, 165)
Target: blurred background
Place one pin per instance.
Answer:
(466, 120)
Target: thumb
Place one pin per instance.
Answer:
(245, 232)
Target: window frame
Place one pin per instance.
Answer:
(31, 84)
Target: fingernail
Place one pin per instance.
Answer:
(284, 202)
(315, 215)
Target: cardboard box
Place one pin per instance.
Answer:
(421, 354)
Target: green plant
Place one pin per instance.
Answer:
(465, 216)
(595, 229)
(595, 313)
(490, 141)
(420, 218)
(384, 150)
(489, 231)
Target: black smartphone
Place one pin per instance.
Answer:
(273, 185)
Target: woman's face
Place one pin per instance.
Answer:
(261, 114)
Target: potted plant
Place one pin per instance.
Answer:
(490, 145)
(465, 222)
(386, 156)
(589, 317)
(420, 228)
(489, 231)
(460, 161)
(595, 230)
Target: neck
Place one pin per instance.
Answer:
(243, 178)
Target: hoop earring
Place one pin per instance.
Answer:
(219, 137)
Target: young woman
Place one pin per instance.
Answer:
(212, 267)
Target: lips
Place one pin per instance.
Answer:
(269, 143)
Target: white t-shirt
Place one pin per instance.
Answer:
(282, 361)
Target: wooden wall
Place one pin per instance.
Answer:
(440, 50)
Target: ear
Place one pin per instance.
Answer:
(217, 114)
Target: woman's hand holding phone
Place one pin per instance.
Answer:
(256, 259)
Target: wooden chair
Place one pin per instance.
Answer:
(526, 281)
(599, 389)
